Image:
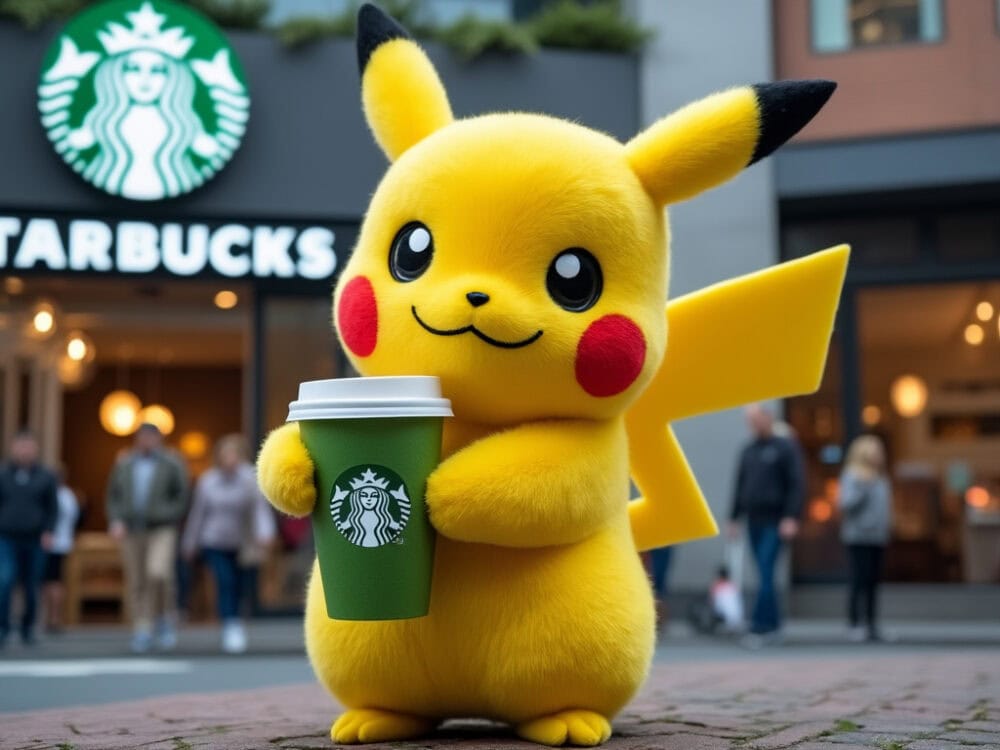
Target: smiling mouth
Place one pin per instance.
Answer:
(475, 332)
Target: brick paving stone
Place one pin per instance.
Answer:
(935, 701)
(965, 736)
(983, 726)
(791, 735)
(865, 739)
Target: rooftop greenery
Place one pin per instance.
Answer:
(569, 24)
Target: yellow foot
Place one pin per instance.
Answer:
(373, 725)
(574, 727)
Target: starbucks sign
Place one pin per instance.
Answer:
(144, 99)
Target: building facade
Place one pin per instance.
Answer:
(905, 165)
(212, 305)
(215, 304)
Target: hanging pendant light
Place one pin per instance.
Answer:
(159, 415)
(119, 412)
(42, 320)
(908, 394)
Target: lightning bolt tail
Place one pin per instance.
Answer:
(760, 336)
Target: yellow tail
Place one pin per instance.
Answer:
(760, 336)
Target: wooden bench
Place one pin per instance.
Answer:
(94, 572)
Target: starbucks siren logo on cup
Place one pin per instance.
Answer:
(370, 508)
(144, 99)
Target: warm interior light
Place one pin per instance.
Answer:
(871, 415)
(226, 299)
(977, 497)
(73, 373)
(984, 311)
(43, 321)
(76, 349)
(820, 510)
(831, 488)
(974, 334)
(194, 445)
(119, 412)
(13, 285)
(158, 415)
(908, 394)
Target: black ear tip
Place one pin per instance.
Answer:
(375, 27)
(785, 108)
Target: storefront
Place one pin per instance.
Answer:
(916, 361)
(205, 294)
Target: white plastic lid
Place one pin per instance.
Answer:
(367, 398)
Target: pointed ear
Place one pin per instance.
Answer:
(712, 140)
(404, 100)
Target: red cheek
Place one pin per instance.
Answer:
(610, 355)
(357, 316)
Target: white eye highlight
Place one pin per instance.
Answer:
(420, 240)
(568, 266)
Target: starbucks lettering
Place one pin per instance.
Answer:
(231, 250)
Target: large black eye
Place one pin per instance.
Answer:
(574, 279)
(411, 252)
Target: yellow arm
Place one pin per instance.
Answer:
(757, 337)
(534, 485)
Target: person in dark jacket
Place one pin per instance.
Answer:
(147, 497)
(768, 495)
(28, 510)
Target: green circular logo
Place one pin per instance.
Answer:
(369, 505)
(145, 99)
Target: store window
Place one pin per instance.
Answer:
(840, 25)
(298, 344)
(818, 424)
(930, 388)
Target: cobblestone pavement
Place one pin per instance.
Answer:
(914, 700)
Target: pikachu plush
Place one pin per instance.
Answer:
(523, 260)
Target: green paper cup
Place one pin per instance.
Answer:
(373, 441)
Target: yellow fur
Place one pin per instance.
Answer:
(540, 614)
(285, 472)
(698, 146)
(398, 76)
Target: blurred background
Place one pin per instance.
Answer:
(904, 164)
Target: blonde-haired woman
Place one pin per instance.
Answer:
(229, 512)
(866, 509)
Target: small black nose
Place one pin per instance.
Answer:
(477, 298)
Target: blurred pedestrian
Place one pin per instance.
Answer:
(147, 496)
(53, 591)
(768, 496)
(229, 513)
(27, 517)
(865, 500)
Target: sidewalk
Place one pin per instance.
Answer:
(936, 701)
(284, 636)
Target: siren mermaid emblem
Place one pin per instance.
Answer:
(365, 508)
(145, 101)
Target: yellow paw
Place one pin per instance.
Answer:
(285, 472)
(374, 725)
(573, 727)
